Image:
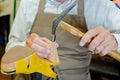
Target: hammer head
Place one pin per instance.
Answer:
(59, 18)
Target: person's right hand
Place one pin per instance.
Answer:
(39, 44)
(100, 40)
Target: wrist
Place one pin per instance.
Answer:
(117, 37)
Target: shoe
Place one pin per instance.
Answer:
(20, 59)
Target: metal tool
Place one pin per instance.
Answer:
(76, 32)
(59, 18)
(58, 21)
(55, 25)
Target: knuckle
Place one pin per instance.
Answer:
(102, 53)
(107, 32)
(90, 31)
(98, 49)
(27, 41)
(34, 40)
(45, 38)
(100, 27)
(94, 43)
(90, 48)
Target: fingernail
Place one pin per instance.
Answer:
(81, 44)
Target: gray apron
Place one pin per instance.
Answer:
(75, 60)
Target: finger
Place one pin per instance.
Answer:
(88, 36)
(105, 51)
(99, 49)
(40, 50)
(49, 42)
(42, 55)
(36, 39)
(56, 45)
(97, 40)
(109, 40)
(46, 40)
(29, 42)
(103, 44)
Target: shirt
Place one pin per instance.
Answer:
(54, 7)
(97, 13)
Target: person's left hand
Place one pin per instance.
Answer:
(100, 40)
(41, 45)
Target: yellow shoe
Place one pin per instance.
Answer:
(24, 60)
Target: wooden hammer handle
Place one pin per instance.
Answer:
(79, 34)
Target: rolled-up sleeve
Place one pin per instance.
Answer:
(112, 21)
(23, 23)
(18, 33)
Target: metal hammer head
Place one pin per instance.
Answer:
(59, 18)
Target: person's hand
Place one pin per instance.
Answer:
(100, 41)
(39, 44)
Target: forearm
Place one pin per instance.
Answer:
(19, 32)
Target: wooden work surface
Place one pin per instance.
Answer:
(105, 66)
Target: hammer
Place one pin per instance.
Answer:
(58, 22)
(114, 54)
(59, 18)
